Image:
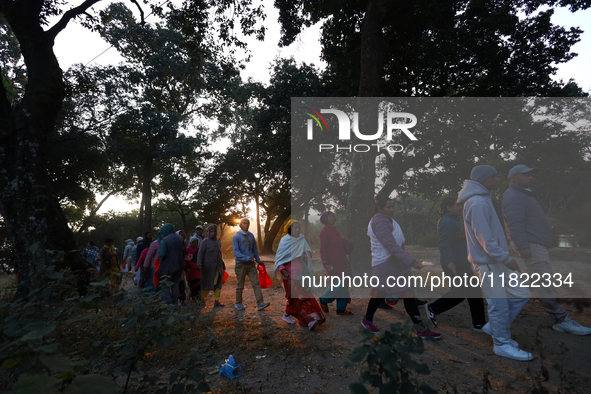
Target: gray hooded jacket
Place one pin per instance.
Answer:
(484, 232)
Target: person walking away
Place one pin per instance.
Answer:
(530, 234)
(134, 258)
(334, 259)
(191, 270)
(389, 258)
(247, 254)
(489, 254)
(212, 266)
(454, 261)
(171, 255)
(91, 254)
(293, 261)
(127, 265)
(108, 259)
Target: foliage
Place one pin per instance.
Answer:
(388, 363)
(32, 361)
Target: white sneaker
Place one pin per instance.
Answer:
(572, 327)
(488, 329)
(512, 352)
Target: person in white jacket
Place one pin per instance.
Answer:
(489, 254)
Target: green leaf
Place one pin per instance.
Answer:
(33, 248)
(227, 331)
(358, 388)
(90, 297)
(358, 354)
(92, 384)
(122, 303)
(178, 388)
(173, 377)
(152, 323)
(80, 318)
(10, 362)
(58, 363)
(195, 375)
(170, 321)
(132, 320)
(101, 283)
(164, 341)
(47, 348)
(203, 387)
(34, 384)
(38, 333)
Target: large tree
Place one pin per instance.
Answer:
(376, 48)
(28, 201)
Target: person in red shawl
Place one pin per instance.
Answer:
(334, 259)
(292, 261)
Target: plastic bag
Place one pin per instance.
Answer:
(264, 279)
(230, 370)
(224, 279)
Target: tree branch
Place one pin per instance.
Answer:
(143, 21)
(68, 16)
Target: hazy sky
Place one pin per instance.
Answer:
(78, 45)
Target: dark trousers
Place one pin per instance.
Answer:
(410, 304)
(458, 294)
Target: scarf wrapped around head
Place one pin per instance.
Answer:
(211, 226)
(324, 217)
(163, 232)
(287, 226)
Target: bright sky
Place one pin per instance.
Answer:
(78, 45)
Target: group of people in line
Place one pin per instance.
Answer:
(475, 243)
(470, 243)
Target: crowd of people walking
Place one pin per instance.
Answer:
(471, 242)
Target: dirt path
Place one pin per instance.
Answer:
(278, 357)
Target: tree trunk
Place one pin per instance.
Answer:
(30, 209)
(275, 228)
(140, 225)
(259, 235)
(147, 192)
(362, 182)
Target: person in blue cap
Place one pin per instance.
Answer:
(489, 254)
(530, 234)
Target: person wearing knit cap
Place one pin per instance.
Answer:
(247, 254)
(489, 254)
(530, 234)
(334, 260)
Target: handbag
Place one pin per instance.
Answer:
(264, 279)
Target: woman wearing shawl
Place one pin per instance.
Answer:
(389, 258)
(212, 266)
(108, 258)
(149, 264)
(294, 260)
(191, 270)
(334, 259)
